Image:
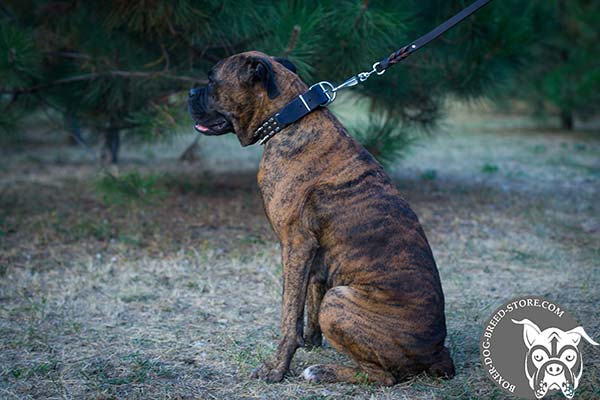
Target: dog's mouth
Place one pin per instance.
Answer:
(206, 120)
(218, 125)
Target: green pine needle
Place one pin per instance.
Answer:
(384, 137)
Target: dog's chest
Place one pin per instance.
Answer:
(284, 187)
(281, 199)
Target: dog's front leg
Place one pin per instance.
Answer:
(298, 250)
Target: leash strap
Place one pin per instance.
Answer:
(407, 50)
(323, 93)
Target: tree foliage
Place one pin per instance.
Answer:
(562, 71)
(126, 65)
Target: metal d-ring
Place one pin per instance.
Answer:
(328, 89)
(331, 91)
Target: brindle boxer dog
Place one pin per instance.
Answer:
(352, 249)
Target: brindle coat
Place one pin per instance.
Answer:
(353, 251)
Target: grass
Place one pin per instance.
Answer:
(128, 188)
(179, 297)
(489, 168)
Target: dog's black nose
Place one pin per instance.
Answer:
(194, 92)
(554, 369)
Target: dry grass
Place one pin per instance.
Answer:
(180, 298)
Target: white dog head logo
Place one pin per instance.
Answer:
(553, 361)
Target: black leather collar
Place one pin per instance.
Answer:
(317, 95)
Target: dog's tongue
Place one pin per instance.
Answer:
(201, 128)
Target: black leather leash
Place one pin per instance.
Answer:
(324, 93)
(427, 38)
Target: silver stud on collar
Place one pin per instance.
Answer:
(269, 128)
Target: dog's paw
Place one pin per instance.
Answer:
(541, 390)
(318, 374)
(310, 374)
(267, 373)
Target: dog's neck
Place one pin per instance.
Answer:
(319, 129)
(284, 111)
(294, 137)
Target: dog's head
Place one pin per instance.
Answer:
(553, 361)
(243, 90)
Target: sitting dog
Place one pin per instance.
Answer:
(553, 361)
(354, 254)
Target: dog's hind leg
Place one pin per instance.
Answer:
(378, 337)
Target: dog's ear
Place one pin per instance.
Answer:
(530, 331)
(261, 70)
(576, 334)
(286, 63)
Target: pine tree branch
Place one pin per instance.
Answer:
(230, 48)
(95, 75)
(363, 10)
(166, 56)
(293, 40)
(68, 54)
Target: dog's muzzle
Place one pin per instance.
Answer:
(206, 121)
(554, 375)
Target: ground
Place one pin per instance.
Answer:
(179, 296)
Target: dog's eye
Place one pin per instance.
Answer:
(569, 355)
(538, 355)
